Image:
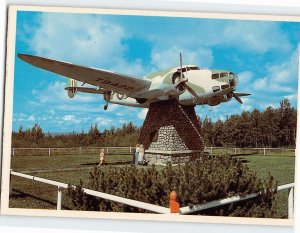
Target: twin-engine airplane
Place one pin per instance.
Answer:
(188, 83)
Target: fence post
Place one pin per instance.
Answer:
(264, 151)
(291, 204)
(211, 150)
(235, 151)
(10, 186)
(106, 150)
(130, 149)
(59, 195)
(13, 152)
(49, 153)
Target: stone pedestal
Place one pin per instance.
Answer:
(171, 133)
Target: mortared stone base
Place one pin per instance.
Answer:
(171, 133)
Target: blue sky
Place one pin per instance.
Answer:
(263, 54)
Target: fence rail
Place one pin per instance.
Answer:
(129, 149)
(155, 208)
(77, 150)
(212, 204)
(60, 186)
(236, 150)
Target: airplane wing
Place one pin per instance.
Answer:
(101, 78)
(87, 90)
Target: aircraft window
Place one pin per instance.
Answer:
(185, 69)
(215, 88)
(223, 75)
(224, 86)
(214, 76)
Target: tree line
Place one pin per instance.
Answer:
(35, 137)
(274, 127)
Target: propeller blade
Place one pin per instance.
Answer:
(242, 94)
(174, 86)
(238, 99)
(190, 90)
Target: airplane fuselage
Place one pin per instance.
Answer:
(212, 87)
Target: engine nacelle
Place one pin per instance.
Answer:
(214, 101)
(72, 88)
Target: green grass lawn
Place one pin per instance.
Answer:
(30, 163)
(32, 194)
(282, 168)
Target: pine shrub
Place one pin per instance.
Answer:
(198, 182)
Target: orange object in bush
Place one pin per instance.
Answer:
(174, 205)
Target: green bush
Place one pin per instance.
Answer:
(195, 183)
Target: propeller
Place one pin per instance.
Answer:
(183, 81)
(238, 99)
(237, 95)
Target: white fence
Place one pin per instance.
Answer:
(74, 150)
(155, 208)
(236, 150)
(60, 186)
(129, 149)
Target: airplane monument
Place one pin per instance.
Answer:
(171, 131)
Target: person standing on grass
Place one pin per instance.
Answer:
(136, 154)
(141, 154)
(102, 157)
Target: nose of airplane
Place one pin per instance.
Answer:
(233, 80)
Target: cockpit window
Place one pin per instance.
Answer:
(222, 75)
(189, 68)
(214, 76)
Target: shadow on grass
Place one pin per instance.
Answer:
(109, 164)
(21, 195)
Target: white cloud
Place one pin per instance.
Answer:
(261, 84)
(280, 77)
(162, 58)
(246, 107)
(101, 121)
(255, 36)
(69, 117)
(292, 96)
(55, 95)
(142, 114)
(245, 77)
(31, 118)
(86, 39)
(264, 105)
(286, 72)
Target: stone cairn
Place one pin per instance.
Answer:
(171, 133)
